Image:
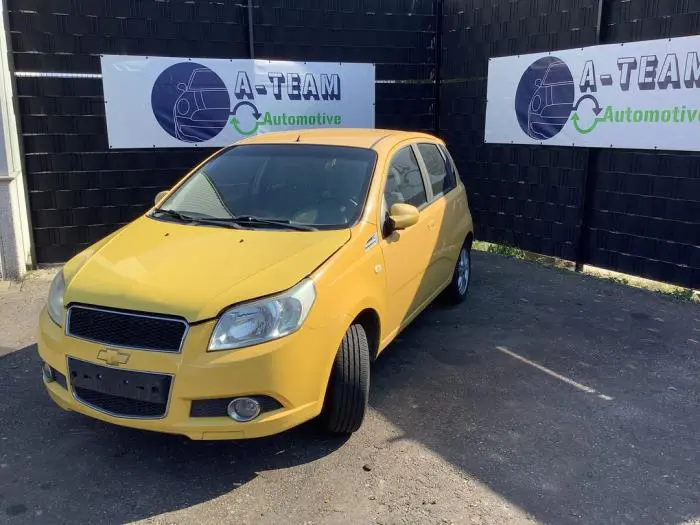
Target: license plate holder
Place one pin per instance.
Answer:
(129, 384)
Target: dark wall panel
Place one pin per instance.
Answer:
(80, 190)
(634, 20)
(646, 208)
(397, 36)
(524, 196)
(645, 214)
(70, 35)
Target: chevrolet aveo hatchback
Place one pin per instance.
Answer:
(255, 294)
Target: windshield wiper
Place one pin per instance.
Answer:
(236, 222)
(174, 214)
(198, 220)
(285, 223)
(250, 220)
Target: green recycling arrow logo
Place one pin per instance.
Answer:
(584, 131)
(575, 119)
(237, 123)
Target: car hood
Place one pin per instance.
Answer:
(193, 271)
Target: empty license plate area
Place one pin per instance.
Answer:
(130, 384)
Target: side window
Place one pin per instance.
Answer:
(404, 182)
(441, 178)
(451, 166)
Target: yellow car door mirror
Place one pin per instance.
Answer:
(403, 215)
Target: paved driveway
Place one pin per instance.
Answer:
(548, 397)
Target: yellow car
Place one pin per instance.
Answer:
(257, 291)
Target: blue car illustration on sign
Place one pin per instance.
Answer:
(203, 107)
(552, 101)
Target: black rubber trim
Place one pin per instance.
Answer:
(217, 407)
(59, 378)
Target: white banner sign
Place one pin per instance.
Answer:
(158, 102)
(643, 95)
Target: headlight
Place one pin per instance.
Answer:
(264, 320)
(55, 303)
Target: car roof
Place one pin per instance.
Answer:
(354, 137)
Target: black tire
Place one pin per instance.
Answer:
(348, 387)
(456, 292)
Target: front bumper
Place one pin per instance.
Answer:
(293, 370)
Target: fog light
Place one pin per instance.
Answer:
(48, 373)
(243, 409)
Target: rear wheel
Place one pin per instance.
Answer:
(456, 291)
(348, 388)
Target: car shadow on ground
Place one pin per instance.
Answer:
(575, 399)
(90, 471)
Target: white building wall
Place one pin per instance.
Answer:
(15, 236)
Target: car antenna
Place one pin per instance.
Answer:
(298, 138)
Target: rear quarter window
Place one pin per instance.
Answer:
(441, 175)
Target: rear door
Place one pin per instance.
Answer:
(446, 210)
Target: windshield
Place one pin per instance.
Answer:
(320, 186)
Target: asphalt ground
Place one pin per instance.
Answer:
(548, 397)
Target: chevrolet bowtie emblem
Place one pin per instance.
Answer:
(113, 357)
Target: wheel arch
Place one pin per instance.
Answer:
(469, 240)
(369, 320)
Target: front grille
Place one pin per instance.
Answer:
(121, 393)
(125, 329)
(217, 407)
(120, 406)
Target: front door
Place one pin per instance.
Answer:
(407, 253)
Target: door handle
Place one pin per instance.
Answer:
(431, 225)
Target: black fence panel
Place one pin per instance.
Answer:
(70, 35)
(398, 36)
(645, 217)
(643, 212)
(525, 196)
(632, 211)
(80, 190)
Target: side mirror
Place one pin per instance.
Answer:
(182, 86)
(403, 216)
(161, 195)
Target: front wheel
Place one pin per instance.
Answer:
(456, 291)
(348, 388)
